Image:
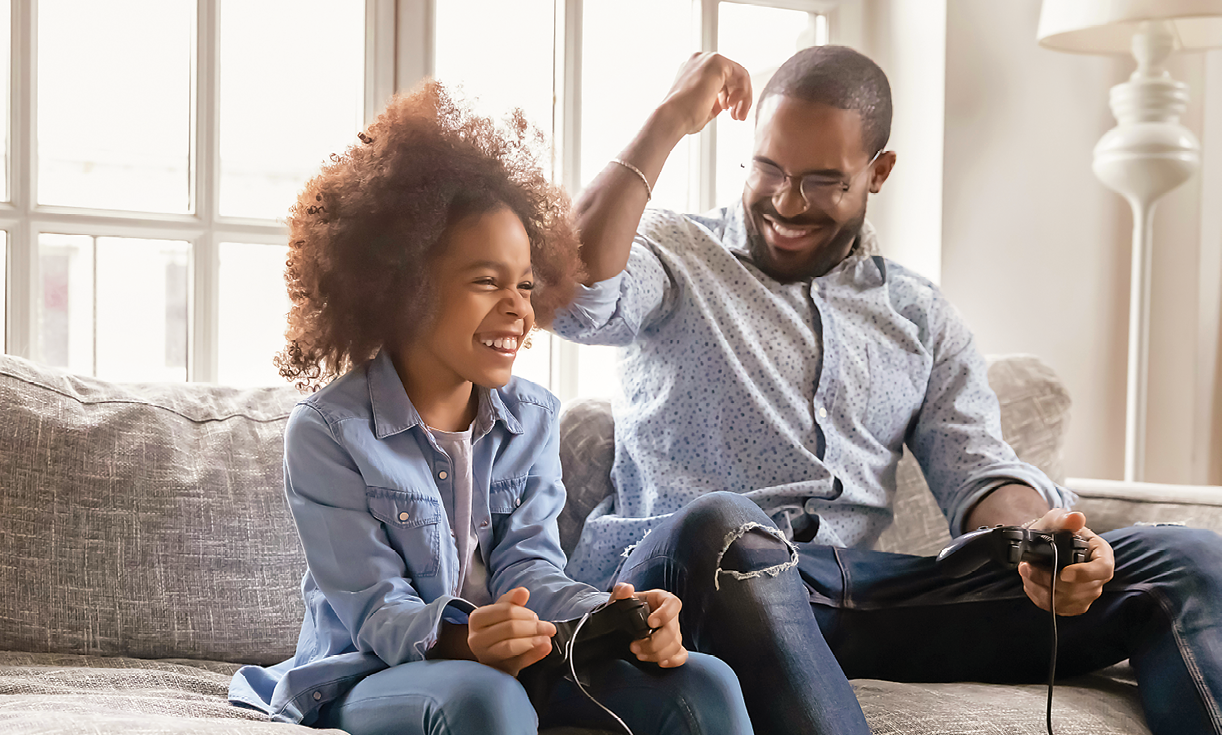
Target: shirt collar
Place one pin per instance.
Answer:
(394, 413)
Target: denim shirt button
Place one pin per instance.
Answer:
(442, 475)
(404, 516)
(517, 501)
(317, 696)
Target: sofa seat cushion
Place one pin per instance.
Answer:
(45, 694)
(1103, 703)
(50, 694)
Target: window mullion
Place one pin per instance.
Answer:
(566, 137)
(414, 34)
(703, 170)
(202, 364)
(379, 55)
(23, 240)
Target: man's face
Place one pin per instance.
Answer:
(789, 239)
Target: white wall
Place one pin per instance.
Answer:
(908, 40)
(1024, 239)
(1035, 251)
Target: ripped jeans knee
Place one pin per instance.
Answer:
(754, 550)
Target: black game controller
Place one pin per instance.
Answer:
(1009, 545)
(606, 634)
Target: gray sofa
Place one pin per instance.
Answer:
(146, 553)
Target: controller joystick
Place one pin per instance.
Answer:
(1008, 546)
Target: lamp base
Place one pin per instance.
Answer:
(1146, 155)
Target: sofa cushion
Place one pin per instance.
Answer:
(145, 520)
(55, 693)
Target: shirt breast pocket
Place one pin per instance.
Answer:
(413, 526)
(504, 496)
(898, 380)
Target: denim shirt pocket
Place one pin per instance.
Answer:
(413, 526)
(504, 496)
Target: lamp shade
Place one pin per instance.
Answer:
(1107, 26)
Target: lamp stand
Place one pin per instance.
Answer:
(1146, 155)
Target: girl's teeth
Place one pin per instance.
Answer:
(501, 343)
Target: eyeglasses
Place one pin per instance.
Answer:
(818, 190)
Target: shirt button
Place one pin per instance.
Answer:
(317, 696)
(404, 516)
(484, 524)
(517, 501)
(443, 475)
(822, 413)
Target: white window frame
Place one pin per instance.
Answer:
(204, 229)
(415, 61)
(399, 51)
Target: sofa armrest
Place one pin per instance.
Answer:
(1112, 504)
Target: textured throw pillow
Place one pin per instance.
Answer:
(144, 520)
(1034, 419)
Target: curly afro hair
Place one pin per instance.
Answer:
(364, 230)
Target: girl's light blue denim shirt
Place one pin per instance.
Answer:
(367, 487)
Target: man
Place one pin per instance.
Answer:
(769, 352)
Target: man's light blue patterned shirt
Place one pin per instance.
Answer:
(800, 396)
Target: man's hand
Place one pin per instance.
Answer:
(665, 646)
(1078, 585)
(707, 85)
(508, 636)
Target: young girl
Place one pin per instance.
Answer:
(424, 479)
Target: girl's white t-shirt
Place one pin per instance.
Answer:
(472, 574)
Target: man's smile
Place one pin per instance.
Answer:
(788, 237)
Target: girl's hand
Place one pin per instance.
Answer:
(665, 646)
(508, 636)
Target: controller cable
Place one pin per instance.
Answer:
(568, 653)
(1052, 667)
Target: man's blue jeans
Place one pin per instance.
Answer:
(464, 697)
(797, 621)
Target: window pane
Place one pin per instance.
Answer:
(114, 104)
(501, 53)
(535, 362)
(253, 310)
(292, 86)
(113, 307)
(475, 38)
(597, 371)
(761, 39)
(627, 67)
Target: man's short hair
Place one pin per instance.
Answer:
(839, 77)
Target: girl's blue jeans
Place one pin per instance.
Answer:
(797, 632)
(441, 697)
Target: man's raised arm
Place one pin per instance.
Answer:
(609, 209)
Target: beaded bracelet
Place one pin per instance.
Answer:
(638, 172)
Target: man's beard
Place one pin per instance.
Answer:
(825, 257)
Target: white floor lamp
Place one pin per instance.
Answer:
(1149, 152)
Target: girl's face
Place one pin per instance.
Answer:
(483, 281)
